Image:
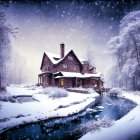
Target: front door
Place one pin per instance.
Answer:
(62, 82)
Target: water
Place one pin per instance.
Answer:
(64, 128)
(22, 99)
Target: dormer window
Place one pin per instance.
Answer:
(70, 58)
(56, 58)
(65, 66)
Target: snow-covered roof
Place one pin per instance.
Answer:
(83, 61)
(78, 75)
(52, 57)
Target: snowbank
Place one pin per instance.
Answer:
(94, 125)
(16, 90)
(125, 128)
(13, 114)
(115, 92)
(88, 90)
(55, 92)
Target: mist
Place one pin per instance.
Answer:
(83, 27)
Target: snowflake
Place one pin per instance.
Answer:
(112, 18)
(96, 3)
(62, 15)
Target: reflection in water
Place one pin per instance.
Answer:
(64, 128)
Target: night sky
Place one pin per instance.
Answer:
(100, 12)
(83, 25)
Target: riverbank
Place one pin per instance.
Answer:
(126, 128)
(40, 108)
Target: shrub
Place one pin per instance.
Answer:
(55, 92)
(115, 92)
(7, 99)
(88, 90)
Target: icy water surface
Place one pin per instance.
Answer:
(65, 128)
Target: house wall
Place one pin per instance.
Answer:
(47, 79)
(77, 82)
(47, 65)
(90, 82)
(72, 65)
(67, 82)
(85, 68)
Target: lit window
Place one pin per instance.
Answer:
(74, 68)
(65, 66)
(62, 82)
(70, 58)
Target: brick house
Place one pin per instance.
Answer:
(68, 71)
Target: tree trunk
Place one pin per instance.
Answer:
(134, 85)
(136, 49)
(0, 81)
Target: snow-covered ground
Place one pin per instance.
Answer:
(123, 129)
(13, 114)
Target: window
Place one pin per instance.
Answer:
(74, 68)
(65, 66)
(70, 58)
(62, 82)
(47, 68)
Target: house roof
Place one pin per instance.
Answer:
(79, 75)
(55, 58)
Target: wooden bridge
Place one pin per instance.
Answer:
(102, 90)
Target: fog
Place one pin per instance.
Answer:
(41, 28)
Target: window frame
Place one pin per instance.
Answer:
(70, 58)
(65, 66)
(62, 82)
(74, 68)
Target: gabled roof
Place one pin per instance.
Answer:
(55, 59)
(74, 56)
(42, 60)
(52, 57)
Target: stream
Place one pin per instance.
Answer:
(75, 126)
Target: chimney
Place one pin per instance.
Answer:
(62, 50)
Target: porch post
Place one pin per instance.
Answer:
(86, 82)
(99, 86)
(52, 80)
(38, 79)
(76, 81)
(41, 80)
